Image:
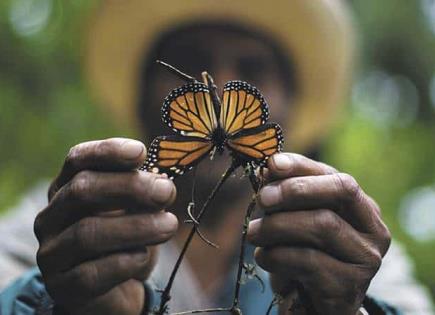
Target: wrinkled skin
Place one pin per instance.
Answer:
(94, 257)
(321, 230)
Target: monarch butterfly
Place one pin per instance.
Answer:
(203, 124)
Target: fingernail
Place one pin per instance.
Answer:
(132, 149)
(270, 195)
(162, 190)
(253, 229)
(281, 162)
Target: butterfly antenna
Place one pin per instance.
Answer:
(208, 80)
(178, 73)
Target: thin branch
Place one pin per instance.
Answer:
(236, 301)
(271, 305)
(166, 292)
(255, 186)
(276, 300)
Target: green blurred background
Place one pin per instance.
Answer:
(386, 138)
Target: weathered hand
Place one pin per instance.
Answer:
(93, 256)
(320, 230)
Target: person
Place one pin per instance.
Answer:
(99, 233)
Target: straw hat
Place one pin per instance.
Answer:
(316, 33)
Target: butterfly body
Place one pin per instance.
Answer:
(219, 139)
(205, 124)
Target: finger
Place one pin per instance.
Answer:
(91, 192)
(339, 192)
(299, 263)
(94, 237)
(94, 278)
(326, 279)
(284, 165)
(114, 301)
(321, 229)
(104, 155)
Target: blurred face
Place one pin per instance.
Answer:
(226, 56)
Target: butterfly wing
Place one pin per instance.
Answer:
(189, 111)
(175, 155)
(257, 144)
(243, 107)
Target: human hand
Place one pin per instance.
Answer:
(320, 230)
(92, 255)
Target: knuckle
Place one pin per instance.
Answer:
(38, 226)
(384, 239)
(84, 278)
(80, 185)
(52, 190)
(103, 147)
(41, 258)
(372, 259)
(349, 186)
(375, 261)
(295, 186)
(295, 159)
(311, 258)
(73, 156)
(328, 169)
(85, 234)
(139, 188)
(327, 222)
(141, 182)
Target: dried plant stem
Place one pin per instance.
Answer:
(250, 209)
(271, 304)
(166, 292)
(235, 307)
(255, 186)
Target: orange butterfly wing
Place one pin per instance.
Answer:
(188, 110)
(243, 107)
(257, 144)
(175, 155)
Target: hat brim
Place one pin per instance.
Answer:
(317, 34)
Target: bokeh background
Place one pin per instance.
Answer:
(386, 137)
